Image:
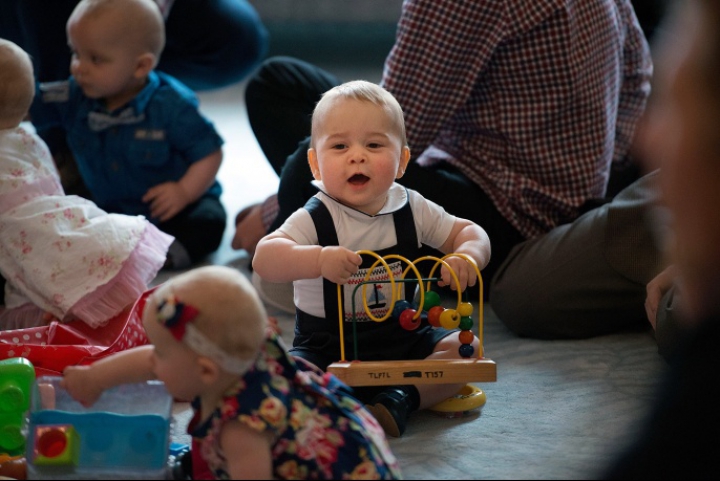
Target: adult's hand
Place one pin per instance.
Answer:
(656, 289)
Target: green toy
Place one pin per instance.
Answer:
(16, 378)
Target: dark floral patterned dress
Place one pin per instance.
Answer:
(319, 430)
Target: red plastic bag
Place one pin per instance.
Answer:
(53, 347)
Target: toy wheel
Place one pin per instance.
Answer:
(468, 399)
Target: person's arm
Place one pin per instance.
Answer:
(169, 198)
(470, 239)
(86, 383)
(278, 258)
(201, 175)
(247, 452)
(637, 70)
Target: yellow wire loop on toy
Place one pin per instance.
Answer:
(395, 292)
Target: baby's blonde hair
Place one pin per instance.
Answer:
(139, 22)
(17, 84)
(231, 314)
(366, 92)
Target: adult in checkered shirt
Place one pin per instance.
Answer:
(517, 114)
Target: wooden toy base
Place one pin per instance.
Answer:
(389, 373)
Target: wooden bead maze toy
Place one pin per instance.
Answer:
(471, 367)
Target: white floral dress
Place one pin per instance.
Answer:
(62, 254)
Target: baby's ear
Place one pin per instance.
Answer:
(404, 159)
(209, 370)
(313, 161)
(145, 64)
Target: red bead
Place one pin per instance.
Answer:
(433, 315)
(407, 320)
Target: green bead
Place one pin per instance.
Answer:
(466, 323)
(432, 299)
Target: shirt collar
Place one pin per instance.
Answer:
(397, 198)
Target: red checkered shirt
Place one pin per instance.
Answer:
(531, 99)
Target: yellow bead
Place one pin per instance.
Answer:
(450, 319)
(465, 309)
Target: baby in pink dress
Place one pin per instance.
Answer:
(60, 255)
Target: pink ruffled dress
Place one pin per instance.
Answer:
(61, 254)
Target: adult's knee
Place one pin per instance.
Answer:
(247, 41)
(213, 44)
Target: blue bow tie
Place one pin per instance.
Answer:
(98, 121)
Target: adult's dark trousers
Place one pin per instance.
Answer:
(209, 43)
(588, 278)
(199, 227)
(280, 100)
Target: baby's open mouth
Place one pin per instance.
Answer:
(358, 179)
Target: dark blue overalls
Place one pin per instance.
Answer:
(318, 340)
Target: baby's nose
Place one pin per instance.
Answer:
(357, 156)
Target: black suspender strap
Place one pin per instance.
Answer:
(327, 236)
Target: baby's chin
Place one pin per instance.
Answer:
(90, 93)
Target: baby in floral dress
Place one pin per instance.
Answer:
(60, 256)
(258, 414)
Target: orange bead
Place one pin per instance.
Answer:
(466, 337)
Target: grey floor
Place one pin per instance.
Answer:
(559, 409)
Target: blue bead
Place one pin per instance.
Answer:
(400, 306)
(466, 350)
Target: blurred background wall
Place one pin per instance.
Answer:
(332, 33)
